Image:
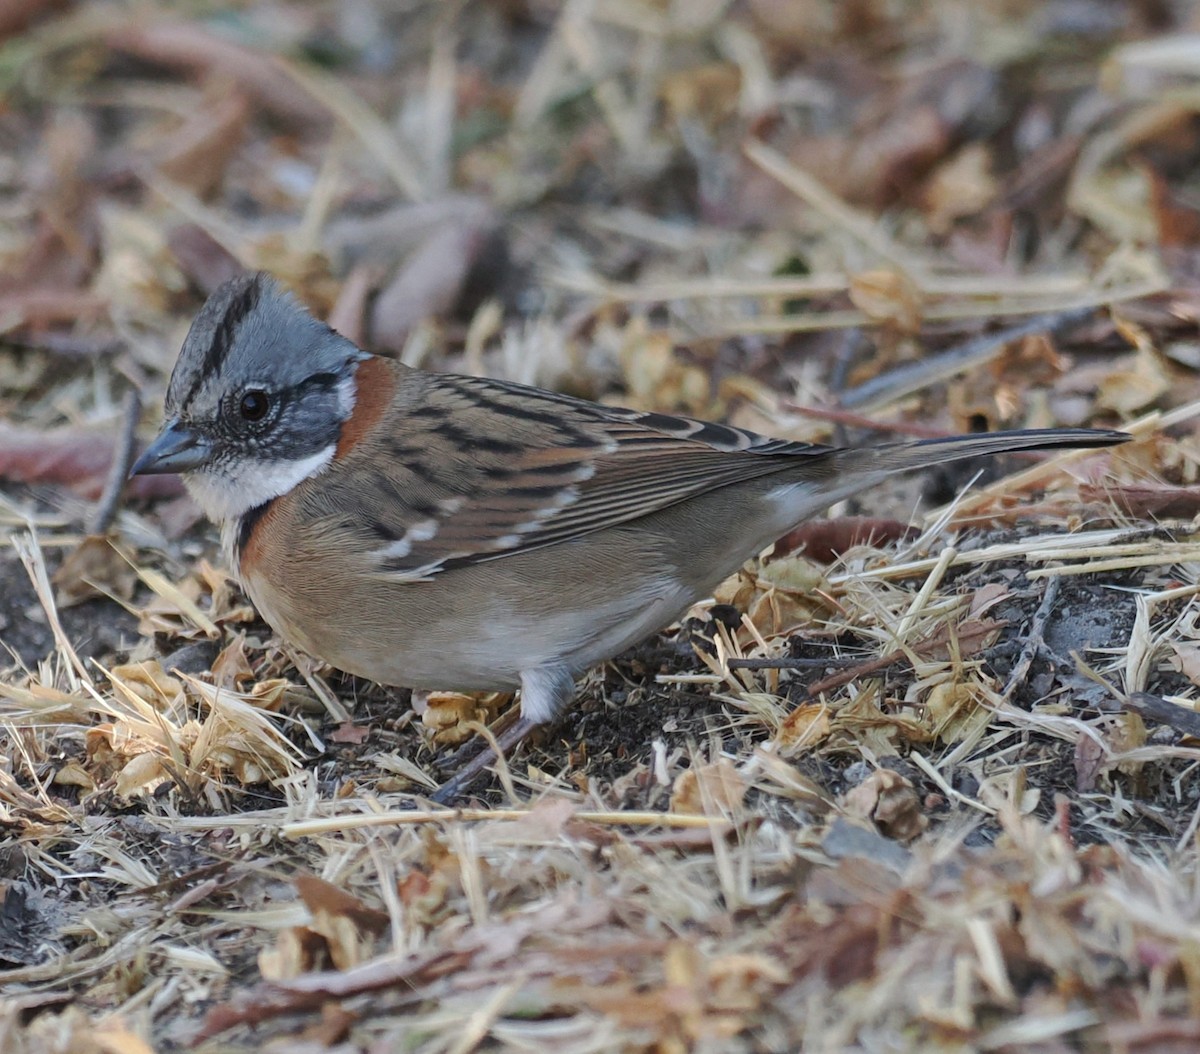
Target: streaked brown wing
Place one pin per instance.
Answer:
(484, 469)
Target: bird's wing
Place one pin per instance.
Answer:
(478, 470)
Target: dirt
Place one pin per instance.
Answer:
(98, 629)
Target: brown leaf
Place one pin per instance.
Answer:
(141, 773)
(1132, 389)
(448, 712)
(349, 312)
(186, 45)
(1141, 378)
(826, 540)
(198, 152)
(148, 681)
(16, 15)
(1178, 221)
(94, 568)
(73, 774)
(1089, 763)
(201, 257)
(954, 710)
(716, 786)
(427, 284)
(1146, 501)
(349, 732)
(297, 950)
(708, 93)
(231, 668)
(34, 307)
(324, 898)
(889, 801)
(74, 457)
(963, 186)
(887, 297)
(804, 728)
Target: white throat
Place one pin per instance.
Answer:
(226, 493)
(227, 496)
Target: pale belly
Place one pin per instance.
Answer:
(426, 636)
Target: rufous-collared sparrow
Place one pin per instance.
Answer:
(438, 531)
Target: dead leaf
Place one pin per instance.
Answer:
(141, 774)
(349, 732)
(94, 568)
(804, 728)
(188, 46)
(954, 711)
(708, 93)
(890, 802)
(1143, 379)
(446, 713)
(777, 597)
(231, 668)
(324, 898)
(200, 257)
(296, 950)
(1146, 501)
(825, 540)
(1089, 759)
(888, 298)
(197, 153)
(148, 681)
(655, 376)
(962, 186)
(73, 774)
(113, 1036)
(426, 286)
(705, 789)
(75, 457)
(348, 316)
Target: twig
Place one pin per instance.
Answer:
(784, 663)
(118, 471)
(1164, 711)
(1035, 641)
(912, 377)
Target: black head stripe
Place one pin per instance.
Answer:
(220, 317)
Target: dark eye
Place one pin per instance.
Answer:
(254, 405)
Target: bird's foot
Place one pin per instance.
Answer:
(508, 739)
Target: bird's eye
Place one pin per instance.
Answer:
(254, 405)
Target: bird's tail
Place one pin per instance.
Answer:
(921, 453)
(847, 471)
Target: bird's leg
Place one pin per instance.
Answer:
(545, 691)
(473, 746)
(506, 741)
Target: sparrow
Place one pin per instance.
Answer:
(431, 531)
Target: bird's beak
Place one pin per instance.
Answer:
(175, 449)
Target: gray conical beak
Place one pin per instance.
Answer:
(175, 449)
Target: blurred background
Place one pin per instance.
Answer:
(744, 210)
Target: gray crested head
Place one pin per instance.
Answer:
(257, 398)
(251, 330)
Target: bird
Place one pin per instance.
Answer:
(436, 531)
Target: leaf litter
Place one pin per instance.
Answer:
(894, 787)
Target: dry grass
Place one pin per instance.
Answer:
(935, 793)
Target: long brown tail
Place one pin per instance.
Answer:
(920, 453)
(849, 470)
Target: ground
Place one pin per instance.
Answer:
(921, 777)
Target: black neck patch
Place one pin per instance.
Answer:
(250, 519)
